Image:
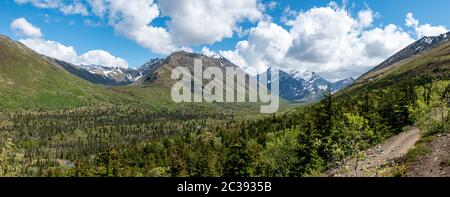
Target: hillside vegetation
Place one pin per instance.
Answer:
(197, 140)
(29, 81)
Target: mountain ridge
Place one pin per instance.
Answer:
(27, 80)
(312, 84)
(419, 47)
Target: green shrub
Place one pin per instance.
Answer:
(438, 127)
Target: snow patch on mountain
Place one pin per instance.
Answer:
(305, 86)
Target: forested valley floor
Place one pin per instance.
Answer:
(194, 140)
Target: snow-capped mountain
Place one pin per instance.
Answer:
(294, 85)
(305, 86)
(116, 74)
(341, 84)
(109, 76)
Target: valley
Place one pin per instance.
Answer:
(62, 120)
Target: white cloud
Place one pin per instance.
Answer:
(41, 3)
(133, 20)
(424, 30)
(327, 40)
(76, 7)
(335, 44)
(288, 15)
(98, 7)
(191, 22)
(207, 52)
(100, 57)
(271, 5)
(62, 52)
(52, 49)
(365, 17)
(235, 57)
(197, 22)
(267, 46)
(381, 43)
(411, 21)
(319, 32)
(22, 27)
(68, 53)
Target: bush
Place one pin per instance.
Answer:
(438, 127)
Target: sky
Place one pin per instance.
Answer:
(336, 39)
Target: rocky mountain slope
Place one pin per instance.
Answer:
(306, 86)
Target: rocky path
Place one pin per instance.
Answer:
(380, 155)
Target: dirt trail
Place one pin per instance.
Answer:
(380, 155)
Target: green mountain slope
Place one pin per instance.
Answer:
(310, 140)
(29, 81)
(156, 86)
(432, 65)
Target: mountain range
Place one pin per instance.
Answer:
(31, 79)
(294, 85)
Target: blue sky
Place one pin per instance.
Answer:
(85, 30)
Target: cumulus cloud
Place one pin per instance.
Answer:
(271, 5)
(319, 32)
(60, 51)
(22, 27)
(380, 43)
(206, 22)
(68, 53)
(99, 7)
(288, 15)
(41, 3)
(327, 40)
(206, 51)
(75, 7)
(100, 57)
(190, 23)
(193, 22)
(267, 46)
(133, 20)
(236, 58)
(51, 49)
(365, 17)
(424, 30)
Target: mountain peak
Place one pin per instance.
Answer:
(303, 86)
(184, 54)
(3, 36)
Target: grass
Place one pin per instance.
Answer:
(416, 153)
